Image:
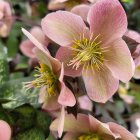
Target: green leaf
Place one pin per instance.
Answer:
(43, 122)
(32, 134)
(14, 91)
(25, 117)
(4, 69)
(51, 137)
(4, 115)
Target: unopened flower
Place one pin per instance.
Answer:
(98, 54)
(88, 128)
(5, 18)
(5, 131)
(50, 75)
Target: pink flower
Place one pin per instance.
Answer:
(5, 18)
(98, 54)
(88, 128)
(5, 131)
(50, 76)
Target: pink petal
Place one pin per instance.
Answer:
(61, 122)
(119, 60)
(125, 134)
(71, 136)
(54, 62)
(101, 128)
(81, 10)
(39, 35)
(72, 124)
(85, 103)
(64, 54)
(5, 131)
(26, 48)
(49, 102)
(42, 57)
(63, 27)
(66, 97)
(100, 85)
(54, 5)
(107, 19)
(133, 34)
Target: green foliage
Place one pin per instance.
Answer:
(32, 134)
(14, 92)
(43, 120)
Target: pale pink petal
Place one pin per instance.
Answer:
(49, 103)
(124, 133)
(39, 35)
(5, 131)
(54, 62)
(66, 97)
(85, 103)
(65, 54)
(133, 34)
(81, 10)
(26, 48)
(100, 85)
(72, 124)
(71, 136)
(63, 27)
(107, 20)
(54, 5)
(61, 122)
(42, 57)
(119, 60)
(101, 128)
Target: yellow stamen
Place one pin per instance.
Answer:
(44, 77)
(87, 53)
(89, 137)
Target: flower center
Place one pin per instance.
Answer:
(87, 53)
(45, 77)
(90, 137)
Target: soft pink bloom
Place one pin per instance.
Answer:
(5, 18)
(98, 54)
(54, 69)
(56, 94)
(87, 126)
(5, 131)
(27, 46)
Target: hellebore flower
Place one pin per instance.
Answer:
(88, 128)
(99, 54)
(5, 131)
(5, 18)
(50, 76)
